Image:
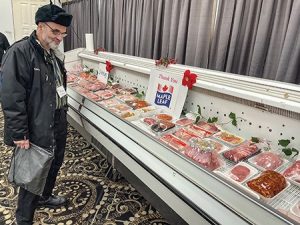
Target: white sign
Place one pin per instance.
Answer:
(165, 91)
(102, 73)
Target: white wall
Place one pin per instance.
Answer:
(6, 21)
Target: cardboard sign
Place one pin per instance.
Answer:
(166, 91)
(102, 73)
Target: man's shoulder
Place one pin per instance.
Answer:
(20, 45)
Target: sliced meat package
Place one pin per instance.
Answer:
(267, 160)
(199, 131)
(184, 121)
(173, 142)
(184, 134)
(293, 172)
(92, 96)
(241, 152)
(210, 127)
(208, 159)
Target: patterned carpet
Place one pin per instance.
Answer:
(93, 198)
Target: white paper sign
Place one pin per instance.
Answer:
(102, 73)
(165, 91)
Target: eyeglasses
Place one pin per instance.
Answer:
(56, 32)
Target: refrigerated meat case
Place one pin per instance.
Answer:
(183, 191)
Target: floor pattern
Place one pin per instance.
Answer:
(93, 198)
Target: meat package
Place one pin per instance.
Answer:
(149, 121)
(267, 160)
(164, 116)
(92, 96)
(119, 107)
(207, 144)
(137, 104)
(95, 86)
(127, 98)
(268, 184)
(241, 171)
(105, 94)
(229, 138)
(199, 131)
(184, 121)
(80, 90)
(72, 78)
(293, 172)
(208, 127)
(83, 82)
(184, 134)
(241, 152)
(162, 125)
(207, 159)
(109, 102)
(173, 142)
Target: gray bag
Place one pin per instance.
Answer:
(29, 168)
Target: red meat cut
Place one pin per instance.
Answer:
(239, 173)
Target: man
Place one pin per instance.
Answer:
(4, 45)
(34, 100)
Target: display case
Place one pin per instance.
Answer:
(262, 108)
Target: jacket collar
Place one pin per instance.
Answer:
(41, 50)
(38, 47)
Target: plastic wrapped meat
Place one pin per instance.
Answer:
(92, 96)
(241, 152)
(72, 78)
(127, 98)
(184, 121)
(80, 90)
(184, 134)
(149, 121)
(121, 107)
(190, 152)
(199, 131)
(206, 144)
(173, 142)
(104, 94)
(137, 104)
(229, 138)
(109, 102)
(267, 160)
(208, 159)
(162, 126)
(95, 86)
(293, 172)
(83, 83)
(239, 173)
(268, 184)
(84, 75)
(164, 116)
(208, 127)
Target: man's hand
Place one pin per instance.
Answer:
(22, 144)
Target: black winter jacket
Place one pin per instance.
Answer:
(29, 94)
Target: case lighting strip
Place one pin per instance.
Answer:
(278, 94)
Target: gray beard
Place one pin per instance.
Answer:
(53, 46)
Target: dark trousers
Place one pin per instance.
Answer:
(27, 202)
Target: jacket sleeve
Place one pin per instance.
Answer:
(15, 82)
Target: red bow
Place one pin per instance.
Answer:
(189, 79)
(109, 67)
